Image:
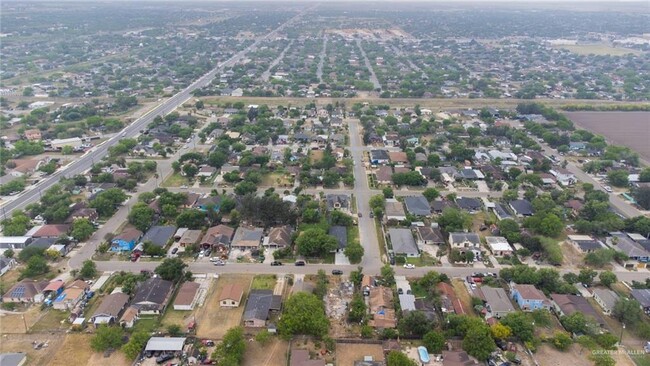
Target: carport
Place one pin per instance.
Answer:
(165, 344)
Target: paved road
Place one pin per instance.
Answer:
(267, 74)
(373, 76)
(323, 53)
(87, 160)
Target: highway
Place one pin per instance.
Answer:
(167, 106)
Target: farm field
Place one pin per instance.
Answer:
(629, 129)
(212, 320)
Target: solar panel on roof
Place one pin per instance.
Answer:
(18, 292)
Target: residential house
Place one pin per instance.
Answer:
(529, 298)
(129, 317)
(471, 174)
(438, 206)
(643, 297)
(585, 243)
(456, 358)
(391, 139)
(159, 235)
(26, 291)
(341, 235)
(381, 308)
(15, 242)
(501, 212)
(398, 157)
(466, 242)
(606, 298)
(218, 238)
(565, 305)
(384, 174)
(279, 237)
(407, 302)
(231, 295)
(379, 157)
(247, 238)
(496, 301)
(258, 307)
(469, 204)
(338, 202)
(108, 312)
(6, 264)
(33, 134)
(187, 296)
(87, 213)
(427, 235)
(204, 203)
(499, 246)
(403, 242)
(394, 210)
(50, 231)
(190, 237)
(417, 205)
(450, 301)
(301, 357)
(126, 240)
(71, 296)
(522, 208)
(623, 243)
(152, 296)
(563, 176)
(206, 171)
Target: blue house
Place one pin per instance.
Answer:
(126, 240)
(529, 298)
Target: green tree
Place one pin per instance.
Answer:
(245, 188)
(388, 192)
(174, 330)
(618, 178)
(230, 352)
(575, 323)
(500, 331)
(136, 343)
(193, 219)
(551, 225)
(607, 278)
(36, 266)
(562, 341)
(82, 229)
(388, 275)
(263, 337)
(315, 242)
(586, 276)
(628, 311)
(397, 358)
(478, 342)
(434, 342)
(644, 176)
(17, 225)
(520, 324)
(357, 307)
(303, 314)
(171, 269)
(354, 252)
(141, 216)
(414, 324)
(431, 194)
(88, 270)
(67, 150)
(106, 337)
(454, 220)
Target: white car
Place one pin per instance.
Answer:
(409, 266)
(608, 189)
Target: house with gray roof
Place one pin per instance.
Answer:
(152, 296)
(258, 307)
(403, 242)
(379, 157)
(623, 243)
(13, 359)
(417, 205)
(429, 236)
(501, 212)
(643, 297)
(522, 208)
(338, 202)
(496, 301)
(394, 210)
(466, 242)
(469, 204)
(247, 238)
(341, 235)
(159, 235)
(606, 298)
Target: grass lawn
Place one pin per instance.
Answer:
(276, 180)
(316, 156)
(52, 320)
(178, 317)
(353, 235)
(175, 180)
(640, 360)
(322, 224)
(264, 282)
(146, 324)
(423, 260)
(381, 241)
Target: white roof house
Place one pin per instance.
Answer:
(498, 245)
(165, 344)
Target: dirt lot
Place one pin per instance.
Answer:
(346, 354)
(77, 347)
(212, 320)
(463, 295)
(14, 323)
(629, 129)
(23, 343)
(274, 353)
(599, 49)
(546, 355)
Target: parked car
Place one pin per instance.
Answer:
(360, 215)
(175, 250)
(219, 263)
(337, 272)
(409, 266)
(208, 342)
(300, 263)
(276, 263)
(164, 357)
(372, 215)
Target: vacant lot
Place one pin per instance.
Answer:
(14, 323)
(23, 343)
(264, 282)
(598, 49)
(274, 353)
(52, 320)
(346, 354)
(212, 320)
(629, 129)
(77, 347)
(463, 295)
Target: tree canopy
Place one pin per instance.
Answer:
(303, 314)
(171, 269)
(315, 242)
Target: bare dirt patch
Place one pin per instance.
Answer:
(274, 353)
(346, 354)
(75, 347)
(599, 49)
(546, 355)
(212, 320)
(629, 129)
(463, 295)
(23, 343)
(14, 323)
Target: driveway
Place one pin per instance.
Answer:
(341, 260)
